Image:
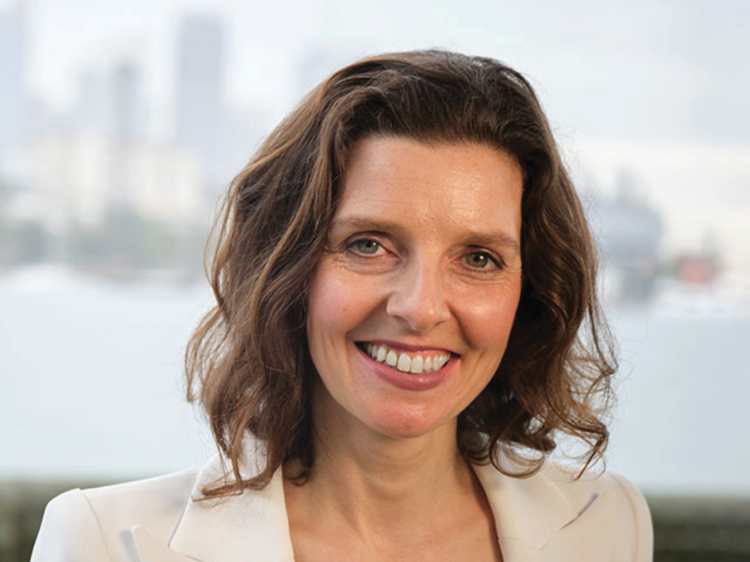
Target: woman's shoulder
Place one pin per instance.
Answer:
(167, 519)
(144, 496)
(593, 482)
(609, 505)
(566, 482)
(555, 510)
(95, 523)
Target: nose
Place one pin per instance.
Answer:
(418, 298)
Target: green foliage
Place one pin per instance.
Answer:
(123, 245)
(24, 242)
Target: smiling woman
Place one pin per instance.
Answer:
(401, 276)
(408, 270)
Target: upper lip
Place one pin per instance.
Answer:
(410, 347)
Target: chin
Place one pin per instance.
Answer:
(407, 425)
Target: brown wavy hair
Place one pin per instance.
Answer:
(248, 361)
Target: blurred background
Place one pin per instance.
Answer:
(121, 124)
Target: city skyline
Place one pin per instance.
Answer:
(700, 191)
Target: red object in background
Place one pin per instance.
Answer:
(697, 270)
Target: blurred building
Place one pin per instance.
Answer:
(13, 98)
(110, 116)
(199, 89)
(81, 169)
(630, 234)
(160, 182)
(102, 162)
(111, 102)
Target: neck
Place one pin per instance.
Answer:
(374, 483)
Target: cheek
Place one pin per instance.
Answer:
(336, 304)
(488, 317)
(323, 308)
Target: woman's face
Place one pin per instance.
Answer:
(411, 305)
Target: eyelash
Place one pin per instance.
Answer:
(352, 246)
(492, 258)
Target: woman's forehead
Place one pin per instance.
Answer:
(437, 184)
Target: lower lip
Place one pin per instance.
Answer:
(409, 381)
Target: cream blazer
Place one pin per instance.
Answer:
(547, 517)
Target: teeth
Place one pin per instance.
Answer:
(391, 359)
(417, 364)
(403, 362)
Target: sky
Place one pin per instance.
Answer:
(657, 71)
(661, 88)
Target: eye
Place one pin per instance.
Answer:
(479, 260)
(366, 246)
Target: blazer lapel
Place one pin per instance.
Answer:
(251, 527)
(151, 549)
(528, 512)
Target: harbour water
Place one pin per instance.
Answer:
(92, 384)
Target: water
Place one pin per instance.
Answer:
(681, 420)
(92, 385)
(93, 378)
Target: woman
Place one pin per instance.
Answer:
(401, 274)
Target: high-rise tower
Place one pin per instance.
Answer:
(199, 87)
(13, 116)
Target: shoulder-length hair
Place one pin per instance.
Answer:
(248, 361)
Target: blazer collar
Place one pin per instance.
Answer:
(527, 511)
(253, 526)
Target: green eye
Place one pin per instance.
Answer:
(478, 260)
(367, 246)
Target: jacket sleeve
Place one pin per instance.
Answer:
(70, 532)
(644, 530)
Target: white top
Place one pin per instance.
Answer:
(546, 517)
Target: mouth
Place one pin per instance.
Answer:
(413, 362)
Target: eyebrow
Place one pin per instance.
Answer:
(470, 237)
